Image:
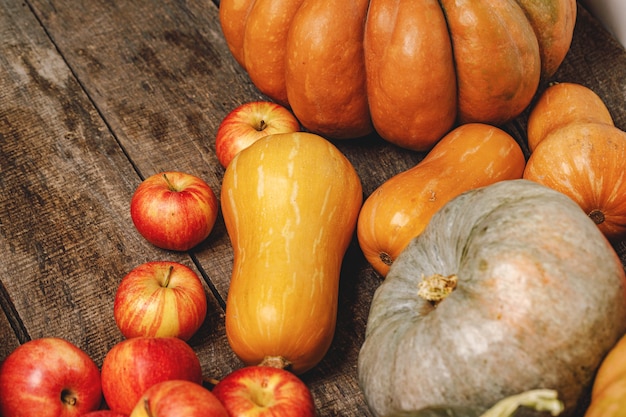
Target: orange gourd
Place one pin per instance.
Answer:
(471, 156)
(290, 204)
(579, 152)
(408, 69)
(587, 162)
(608, 394)
(563, 103)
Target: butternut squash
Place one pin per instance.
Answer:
(290, 204)
(471, 156)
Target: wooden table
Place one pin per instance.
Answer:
(97, 95)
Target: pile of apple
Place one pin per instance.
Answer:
(141, 377)
(154, 372)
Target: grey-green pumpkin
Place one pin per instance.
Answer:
(531, 295)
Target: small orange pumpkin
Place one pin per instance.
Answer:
(471, 156)
(587, 162)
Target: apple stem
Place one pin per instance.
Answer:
(211, 381)
(68, 397)
(146, 406)
(262, 125)
(168, 276)
(169, 183)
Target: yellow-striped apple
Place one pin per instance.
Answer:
(264, 391)
(49, 377)
(178, 398)
(174, 210)
(160, 298)
(249, 122)
(133, 365)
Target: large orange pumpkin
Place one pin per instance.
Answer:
(409, 69)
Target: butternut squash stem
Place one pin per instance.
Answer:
(272, 361)
(275, 362)
(435, 288)
(539, 399)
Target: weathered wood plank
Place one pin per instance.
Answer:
(8, 337)
(121, 91)
(66, 189)
(174, 82)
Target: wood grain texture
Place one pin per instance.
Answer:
(95, 96)
(67, 236)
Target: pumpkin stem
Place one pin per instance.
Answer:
(597, 216)
(275, 362)
(538, 399)
(436, 287)
(386, 258)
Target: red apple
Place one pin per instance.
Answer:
(49, 377)
(178, 398)
(160, 299)
(134, 365)
(174, 210)
(104, 413)
(249, 122)
(264, 391)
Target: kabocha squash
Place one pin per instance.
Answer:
(536, 400)
(510, 288)
(471, 156)
(409, 69)
(561, 104)
(583, 156)
(290, 204)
